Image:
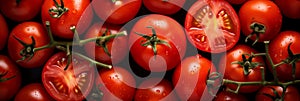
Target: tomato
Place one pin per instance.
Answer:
(155, 89)
(72, 84)
(33, 92)
(236, 72)
(228, 96)
(236, 2)
(3, 32)
(116, 84)
(167, 7)
(164, 50)
(25, 32)
(278, 51)
(212, 25)
(21, 10)
(262, 18)
(189, 78)
(267, 93)
(78, 14)
(117, 48)
(116, 11)
(10, 71)
(289, 8)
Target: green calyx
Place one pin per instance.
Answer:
(247, 63)
(257, 29)
(292, 60)
(27, 51)
(5, 79)
(59, 9)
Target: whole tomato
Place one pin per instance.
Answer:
(33, 92)
(261, 20)
(274, 93)
(212, 25)
(154, 46)
(21, 10)
(3, 32)
(10, 78)
(289, 8)
(23, 38)
(242, 68)
(166, 7)
(228, 96)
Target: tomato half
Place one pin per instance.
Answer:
(213, 26)
(72, 84)
(228, 96)
(267, 93)
(167, 7)
(289, 8)
(33, 92)
(3, 32)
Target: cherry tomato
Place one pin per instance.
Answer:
(167, 7)
(267, 93)
(116, 11)
(10, 71)
(72, 84)
(236, 2)
(278, 50)
(289, 8)
(261, 18)
(189, 78)
(155, 89)
(3, 32)
(33, 35)
(68, 14)
(21, 10)
(117, 48)
(228, 96)
(213, 26)
(33, 92)
(245, 71)
(116, 84)
(164, 50)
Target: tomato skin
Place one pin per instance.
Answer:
(236, 72)
(33, 92)
(289, 8)
(264, 12)
(3, 32)
(278, 51)
(164, 7)
(228, 96)
(118, 12)
(22, 11)
(116, 84)
(23, 32)
(10, 87)
(236, 2)
(291, 94)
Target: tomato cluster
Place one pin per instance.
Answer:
(149, 50)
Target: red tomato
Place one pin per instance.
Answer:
(155, 89)
(167, 7)
(278, 50)
(262, 17)
(79, 14)
(236, 71)
(189, 78)
(289, 8)
(167, 56)
(24, 32)
(237, 2)
(33, 92)
(117, 48)
(72, 84)
(9, 87)
(267, 93)
(213, 26)
(21, 10)
(116, 84)
(116, 11)
(3, 32)
(228, 96)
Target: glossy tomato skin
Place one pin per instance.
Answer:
(289, 8)
(291, 94)
(167, 57)
(117, 47)
(79, 14)
(22, 11)
(228, 96)
(23, 32)
(33, 92)
(116, 84)
(189, 78)
(164, 7)
(264, 12)
(72, 84)
(235, 72)
(278, 50)
(212, 26)
(3, 32)
(118, 12)
(10, 87)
